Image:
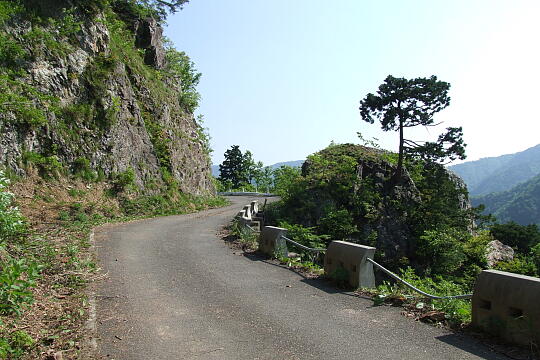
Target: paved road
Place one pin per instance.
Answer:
(175, 291)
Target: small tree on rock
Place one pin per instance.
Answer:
(401, 103)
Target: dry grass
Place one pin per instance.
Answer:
(60, 216)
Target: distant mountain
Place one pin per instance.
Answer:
(520, 204)
(295, 163)
(496, 174)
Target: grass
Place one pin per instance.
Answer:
(58, 262)
(457, 312)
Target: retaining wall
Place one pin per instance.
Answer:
(507, 305)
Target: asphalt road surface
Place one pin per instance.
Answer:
(174, 290)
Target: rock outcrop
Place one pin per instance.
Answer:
(496, 252)
(100, 105)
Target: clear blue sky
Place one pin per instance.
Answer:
(284, 78)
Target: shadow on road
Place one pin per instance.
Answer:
(469, 344)
(320, 283)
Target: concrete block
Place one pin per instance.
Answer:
(352, 258)
(240, 214)
(507, 305)
(247, 210)
(271, 243)
(254, 207)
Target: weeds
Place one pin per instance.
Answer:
(457, 311)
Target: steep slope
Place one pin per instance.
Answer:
(501, 173)
(520, 204)
(86, 87)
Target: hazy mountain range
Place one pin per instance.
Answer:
(494, 174)
(508, 185)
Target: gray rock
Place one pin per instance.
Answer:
(496, 252)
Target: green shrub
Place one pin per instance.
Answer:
(14, 345)
(11, 220)
(458, 311)
(83, 170)
(16, 279)
(338, 224)
(49, 167)
(441, 251)
(521, 264)
(123, 180)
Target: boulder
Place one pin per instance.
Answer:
(496, 251)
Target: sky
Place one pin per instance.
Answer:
(284, 78)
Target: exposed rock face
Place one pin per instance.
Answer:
(108, 114)
(150, 37)
(496, 252)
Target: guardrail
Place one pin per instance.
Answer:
(316, 251)
(502, 302)
(409, 285)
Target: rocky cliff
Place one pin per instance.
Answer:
(87, 88)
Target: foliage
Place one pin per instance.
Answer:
(83, 169)
(441, 251)
(286, 181)
(17, 277)
(520, 237)
(11, 220)
(458, 311)
(15, 344)
(160, 8)
(49, 167)
(233, 168)
(520, 264)
(304, 235)
(180, 67)
(401, 103)
(339, 224)
(123, 180)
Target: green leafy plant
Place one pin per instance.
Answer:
(11, 220)
(16, 279)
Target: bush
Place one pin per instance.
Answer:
(11, 220)
(16, 279)
(458, 311)
(441, 251)
(338, 224)
(520, 237)
(123, 180)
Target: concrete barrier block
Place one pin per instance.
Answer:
(271, 243)
(240, 214)
(254, 207)
(507, 305)
(247, 210)
(352, 258)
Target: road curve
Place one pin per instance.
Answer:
(175, 291)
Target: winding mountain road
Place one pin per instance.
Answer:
(174, 290)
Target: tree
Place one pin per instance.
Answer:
(232, 169)
(401, 103)
(162, 7)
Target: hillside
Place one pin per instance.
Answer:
(96, 126)
(89, 87)
(520, 204)
(495, 174)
